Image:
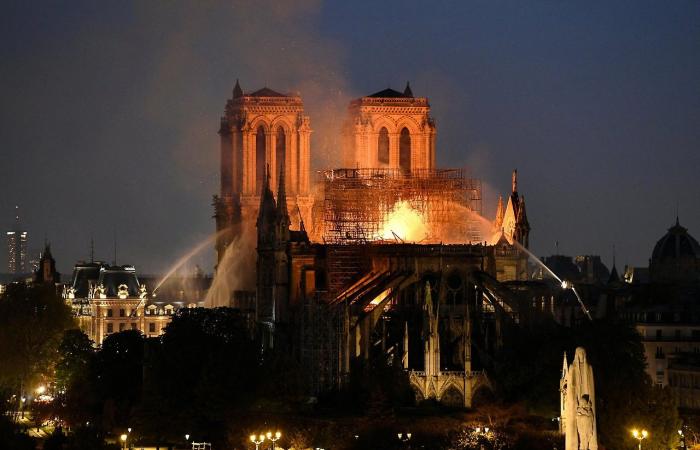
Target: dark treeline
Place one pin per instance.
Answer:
(207, 376)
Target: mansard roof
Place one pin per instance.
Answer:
(83, 274)
(111, 277)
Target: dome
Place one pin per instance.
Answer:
(676, 257)
(677, 243)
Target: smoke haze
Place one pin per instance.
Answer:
(110, 110)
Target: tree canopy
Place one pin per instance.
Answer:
(32, 321)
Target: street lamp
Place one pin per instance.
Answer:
(640, 435)
(123, 439)
(405, 438)
(257, 440)
(187, 437)
(274, 438)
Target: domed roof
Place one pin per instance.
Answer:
(676, 243)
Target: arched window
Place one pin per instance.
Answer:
(405, 150)
(259, 159)
(280, 152)
(383, 146)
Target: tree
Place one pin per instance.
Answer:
(11, 437)
(76, 352)
(32, 321)
(119, 369)
(205, 368)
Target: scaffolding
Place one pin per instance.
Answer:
(358, 201)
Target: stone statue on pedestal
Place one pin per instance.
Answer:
(578, 404)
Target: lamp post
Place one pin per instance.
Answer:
(257, 440)
(123, 439)
(273, 437)
(405, 438)
(482, 433)
(640, 435)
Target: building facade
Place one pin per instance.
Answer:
(390, 129)
(262, 132)
(108, 299)
(359, 291)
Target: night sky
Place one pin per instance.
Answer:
(110, 110)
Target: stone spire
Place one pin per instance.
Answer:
(614, 276)
(282, 212)
(500, 212)
(408, 92)
(514, 182)
(237, 91)
(522, 226)
(431, 337)
(268, 209)
(404, 358)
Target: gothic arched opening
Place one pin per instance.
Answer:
(452, 397)
(259, 159)
(383, 146)
(280, 151)
(405, 150)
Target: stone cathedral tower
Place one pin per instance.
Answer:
(390, 129)
(258, 130)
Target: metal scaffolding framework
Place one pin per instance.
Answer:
(357, 203)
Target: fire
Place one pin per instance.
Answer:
(405, 222)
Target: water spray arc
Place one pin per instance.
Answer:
(186, 257)
(488, 225)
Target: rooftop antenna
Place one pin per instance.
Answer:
(114, 263)
(613, 255)
(92, 249)
(557, 245)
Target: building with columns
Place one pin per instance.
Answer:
(107, 299)
(390, 129)
(261, 129)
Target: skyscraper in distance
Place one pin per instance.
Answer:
(17, 247)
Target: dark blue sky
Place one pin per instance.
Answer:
(109, 110)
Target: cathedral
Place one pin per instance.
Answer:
(262, 133)
(389, 256)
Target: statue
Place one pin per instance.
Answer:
(142, 292)
(578, 404)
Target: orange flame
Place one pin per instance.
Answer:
(406, 223)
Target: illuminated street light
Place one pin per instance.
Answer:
(640, 435)
(273, 438)
(40, 390)
(187, 437)
(123, 439)
(405, 438)
(257, 440)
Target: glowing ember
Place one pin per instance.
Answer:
(404, 222)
